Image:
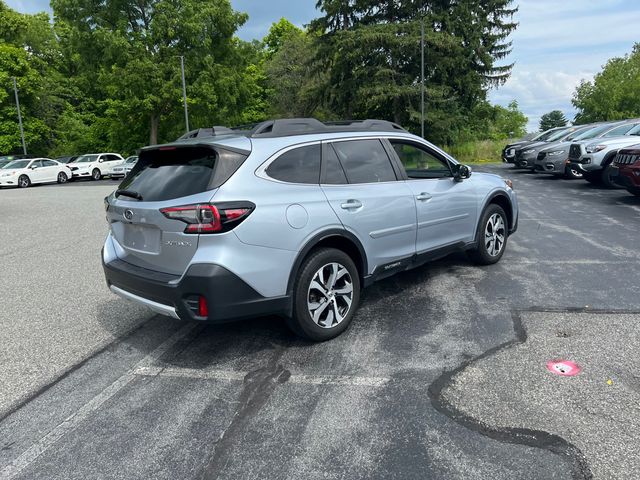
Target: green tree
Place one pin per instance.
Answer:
(614, 92)
(27, 52)
(371, 50)
(553, 119)
(294, 80)
(128, 53)
(279, 33)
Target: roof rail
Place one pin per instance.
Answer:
(206, 132)
(302, 126)
(295, 126)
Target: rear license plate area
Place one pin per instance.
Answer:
(141, 238)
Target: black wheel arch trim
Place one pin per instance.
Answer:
(510, 215)
(608, 159)
(314, 241)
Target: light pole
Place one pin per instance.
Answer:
(15, 91)
(422, 77)
(184, 94)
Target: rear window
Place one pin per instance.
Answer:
(182, 171)
(300, 165)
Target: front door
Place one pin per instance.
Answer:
(364, 191)
(446, 208)
(37, 173)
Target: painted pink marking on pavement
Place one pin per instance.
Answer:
(565, 368)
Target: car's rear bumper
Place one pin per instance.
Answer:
(228, 297)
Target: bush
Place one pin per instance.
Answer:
(479, 151)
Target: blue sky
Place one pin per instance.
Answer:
(558, 43)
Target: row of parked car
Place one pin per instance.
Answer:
(21, 171)
(606, 153)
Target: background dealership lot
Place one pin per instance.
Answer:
(94, 386)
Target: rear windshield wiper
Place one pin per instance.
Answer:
(129, 193)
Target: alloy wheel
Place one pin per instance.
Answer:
(62, 178)
(330, 295)
(494, 235)
(575, 173)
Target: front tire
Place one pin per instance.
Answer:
(62, 177)
(593, 178)
(491, 239)
(634, 191)
(24, 181)
(607, 179)
(325, 296)
(95, 174)
(572, 173)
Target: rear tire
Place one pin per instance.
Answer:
(95, 174)
(491, 239)
(325, 296)
(62, 177)
(24, 181)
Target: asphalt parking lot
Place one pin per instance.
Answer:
(442, 374)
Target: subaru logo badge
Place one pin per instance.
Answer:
(128, 214)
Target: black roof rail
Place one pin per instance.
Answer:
(295, 126)
(302, 126)
(207, 132)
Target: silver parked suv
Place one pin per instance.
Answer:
(293, 217)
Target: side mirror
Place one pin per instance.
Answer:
(33, 167)
(101, 160)
(461, 172)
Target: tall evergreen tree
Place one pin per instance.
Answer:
(372, 50)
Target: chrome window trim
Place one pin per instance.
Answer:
(261, 170)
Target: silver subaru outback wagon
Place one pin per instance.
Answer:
(293, 217)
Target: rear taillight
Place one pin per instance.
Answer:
(209, 218)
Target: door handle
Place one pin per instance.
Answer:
(423, 197)
(351, 204)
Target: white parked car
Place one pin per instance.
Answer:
(23, 173)
(95, 165)
(123, 170)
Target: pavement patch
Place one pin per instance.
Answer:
(594, 417)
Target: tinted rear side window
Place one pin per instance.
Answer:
(180, 172)
(333, 172)
(365, 161)
(300, 165)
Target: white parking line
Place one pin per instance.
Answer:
(577, 261)
(73, 420)
(229, 375)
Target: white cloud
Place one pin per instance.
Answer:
(557, 44)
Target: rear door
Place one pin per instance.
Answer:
(446, 208)
(370, 200)
(166, 177)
